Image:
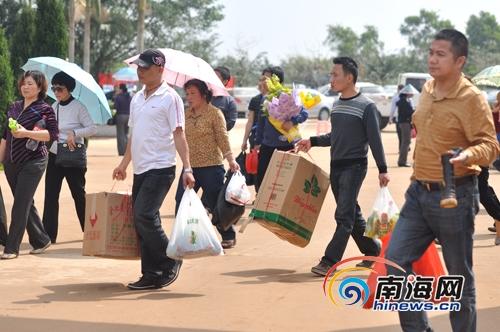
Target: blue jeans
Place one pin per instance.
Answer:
(148, 192)
(421, 220)
(211, 180)
(346, 182)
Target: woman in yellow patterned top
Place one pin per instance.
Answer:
(208, 143)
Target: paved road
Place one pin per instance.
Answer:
(263, 284)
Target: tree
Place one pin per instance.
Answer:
(245, 69)
(311, 71)
(342, 40)
(6, 79)
(51, 38)
(8, 13)
(419, 30)
(483, 32)
(171, 24)
(366, 49)
(184, 25)
(23, 40)
(71, 30)
(92, 7)
(141, 12)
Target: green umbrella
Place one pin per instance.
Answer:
(87, 91)
(489, 76)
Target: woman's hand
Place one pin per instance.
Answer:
(20, 132)
(234, 166)
(287, 125)
(71, 140)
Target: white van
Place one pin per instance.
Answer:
(416, 79)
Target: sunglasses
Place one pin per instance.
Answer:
(57, 89)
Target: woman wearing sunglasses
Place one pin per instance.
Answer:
(24, 156)
(74, 123)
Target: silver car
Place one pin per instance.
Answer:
(381, 98)
(323, 109)
(242, 96)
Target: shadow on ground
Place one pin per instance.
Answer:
(264, 276)
(91, 292)
(21, 324)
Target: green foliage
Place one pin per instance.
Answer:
(183, 25)
(245, 69)
(311, 71)
(22, 42)
(483, 32)
(8, 12)
(51, 38)
(342, 40)
(6, 79)
(421, 29)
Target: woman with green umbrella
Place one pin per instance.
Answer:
(75, 124)
(24, 154)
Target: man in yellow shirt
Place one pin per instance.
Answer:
(451, 113)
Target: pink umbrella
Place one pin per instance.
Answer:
(180, 67)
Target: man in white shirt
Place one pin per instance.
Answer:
(157, 125)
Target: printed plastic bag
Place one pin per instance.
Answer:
(237, 191)
(225, 213)
(384, 216)
(192, 235)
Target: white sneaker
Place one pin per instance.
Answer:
(8, 256)
(40, 250)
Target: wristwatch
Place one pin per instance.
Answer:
(187, 170)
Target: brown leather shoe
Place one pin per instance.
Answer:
(228, 244)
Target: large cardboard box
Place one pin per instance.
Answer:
(109, 226)
(290, 197)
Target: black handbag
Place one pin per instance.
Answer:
(71, 158)
(226, 214)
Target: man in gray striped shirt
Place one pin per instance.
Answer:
(354, 127)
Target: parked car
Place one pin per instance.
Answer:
(323, 109)
(391, 89)
(417, 80)
(327, 90)
(242, 96)
(380, 97)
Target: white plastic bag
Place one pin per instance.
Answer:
(193, 234)
(237, 191)
(384, 216)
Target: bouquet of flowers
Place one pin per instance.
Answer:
(283, 103)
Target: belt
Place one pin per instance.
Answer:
(437, 186)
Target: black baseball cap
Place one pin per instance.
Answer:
(150, 57)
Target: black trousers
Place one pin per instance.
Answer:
(487, 195)
(23, 180)
(3, 221)
(53, 181)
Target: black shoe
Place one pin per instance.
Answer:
(144, 283)
(170, 276)
(404, 165)
(367, 264)
(321, 269)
